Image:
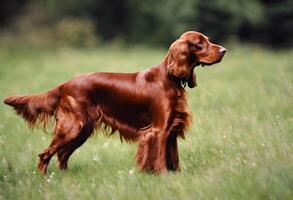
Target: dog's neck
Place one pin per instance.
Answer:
(162, 67)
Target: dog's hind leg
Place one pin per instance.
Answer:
(72, 144)
(45, 157)
(67, 128)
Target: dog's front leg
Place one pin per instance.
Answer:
(160, 164)
(151, 153)
(172, 157)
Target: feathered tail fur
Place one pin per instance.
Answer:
(35, 109)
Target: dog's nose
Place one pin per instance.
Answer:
(222, 51)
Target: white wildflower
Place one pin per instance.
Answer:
(96, 158)
(131, 171)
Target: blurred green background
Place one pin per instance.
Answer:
(240, 144)
(154, 22)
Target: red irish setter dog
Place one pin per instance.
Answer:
(147, 107)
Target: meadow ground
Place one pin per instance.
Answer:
(240, 144)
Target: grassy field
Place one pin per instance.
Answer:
(240, 145)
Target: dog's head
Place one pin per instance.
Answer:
(190, 50)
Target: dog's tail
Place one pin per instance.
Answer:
(35, 109)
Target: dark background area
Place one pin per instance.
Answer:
(154, 22)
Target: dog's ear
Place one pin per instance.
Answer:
(178, 59)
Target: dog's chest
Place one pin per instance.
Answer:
(180, 117)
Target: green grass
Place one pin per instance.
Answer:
(239, 146)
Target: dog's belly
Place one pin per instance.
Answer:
(134, 114)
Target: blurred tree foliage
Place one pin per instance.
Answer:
(161, 21)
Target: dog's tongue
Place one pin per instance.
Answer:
(192, 79)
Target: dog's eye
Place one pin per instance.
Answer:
(199, 46)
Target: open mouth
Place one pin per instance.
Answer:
(204, 64)
(208, 64)
(195, 64)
